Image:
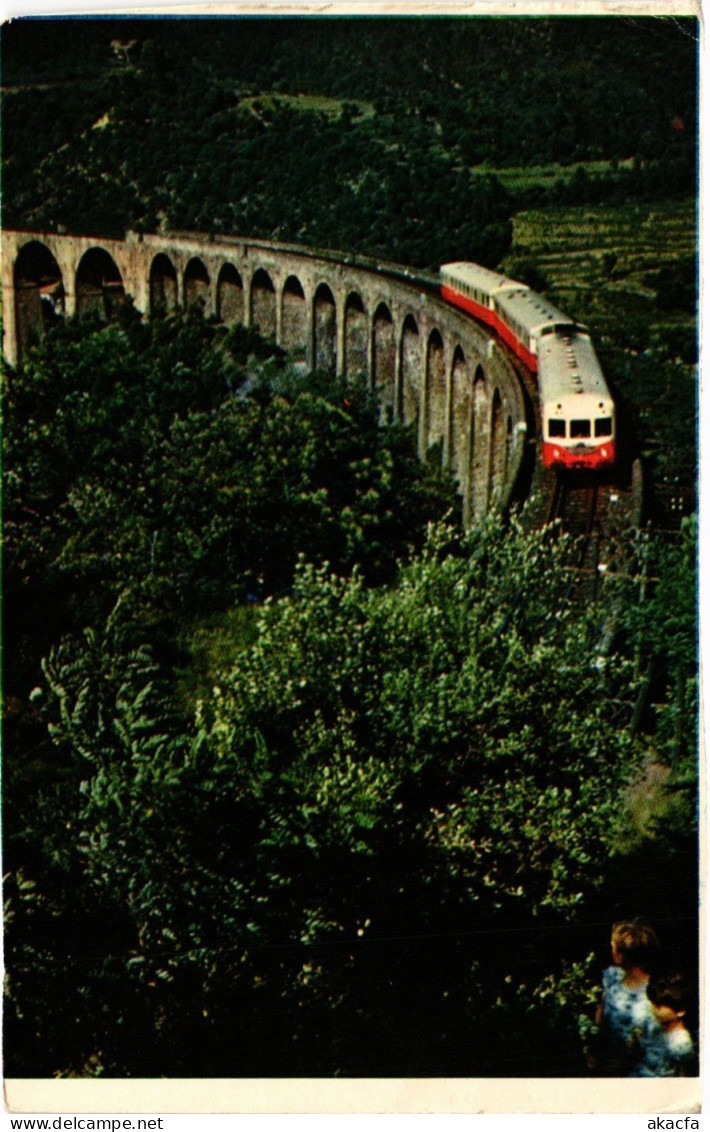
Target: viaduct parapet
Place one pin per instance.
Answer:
(431, 365)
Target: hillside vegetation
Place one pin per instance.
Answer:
(562, 149)
(301, 779)
(391, 151)
(628, 270)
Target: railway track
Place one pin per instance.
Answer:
(597, 509)
(595, 515)
(575, 511)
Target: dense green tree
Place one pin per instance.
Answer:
(173, 461)
(388, 778)
(658, 407)
(664, 628)
(193, 134)
(676, 286)
(311, 870)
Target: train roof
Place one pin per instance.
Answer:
(530, 310)
(476, 276)
(568, 366)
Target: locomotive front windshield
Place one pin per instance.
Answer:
(580, 429)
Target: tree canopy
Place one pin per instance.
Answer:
(384, 774)
(288, 755)
(286, 747)
(306, 130)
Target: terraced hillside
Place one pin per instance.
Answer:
(629, 271)
(603, 263)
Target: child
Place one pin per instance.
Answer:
(624, 1009)
(666, 1046)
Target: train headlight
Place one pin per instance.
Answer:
(557, 453)
(604, 452)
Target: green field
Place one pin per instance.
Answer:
(307, 104)
(597, 260)
(516, 177)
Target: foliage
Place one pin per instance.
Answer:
(175, 467)
(69, 1000)
(659, 401)
(314, 873)
(527, 271)
(171, 461)
(432, 762)
(676, 285)
(595, 263)
(203, 125)
(664, 630)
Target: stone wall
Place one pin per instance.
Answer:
(432, 366)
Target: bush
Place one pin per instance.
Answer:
(388, 777)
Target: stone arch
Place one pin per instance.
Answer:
(39, 293)
(355, 352)
(410, 358)
(383, 358)
(99, 286)
(435, 395)
(461, 422)
(324, 330)
(294, 318)
(163, 285)
(480, 453)
(508, 446)
(498, 448)
(263, 303)
(230, 294)
(197, 284)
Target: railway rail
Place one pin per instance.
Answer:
(596, 515)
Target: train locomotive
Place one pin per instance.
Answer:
(576, 408)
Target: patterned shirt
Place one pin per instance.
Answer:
(626, 1009)
(664, 1053)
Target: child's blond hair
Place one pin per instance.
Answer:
(636, 943)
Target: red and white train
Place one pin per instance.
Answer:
(576, 408)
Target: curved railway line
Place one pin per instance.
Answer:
(593, 507)
(446, 403)
(595, 515)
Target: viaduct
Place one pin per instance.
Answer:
(431, 365)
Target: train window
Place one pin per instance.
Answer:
(602, 426)
(556, 428)
(580, 428)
